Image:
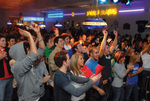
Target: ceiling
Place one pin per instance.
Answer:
(46, 4)
(41, 4)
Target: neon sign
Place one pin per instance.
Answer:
(95, 13)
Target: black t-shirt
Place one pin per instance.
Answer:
(106, 62)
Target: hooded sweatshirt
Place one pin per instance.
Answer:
(28, 75)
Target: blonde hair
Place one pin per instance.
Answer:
(133, 58)
(73, 64)
(129, 50)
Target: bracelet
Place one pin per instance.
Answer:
(40, 40)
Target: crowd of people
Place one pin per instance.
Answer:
(37, 65)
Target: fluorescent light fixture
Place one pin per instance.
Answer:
(19, 24)
(132, 10)
(9, 23)
(33, 18)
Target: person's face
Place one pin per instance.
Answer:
(67, 40)
(89, 46)
(138, 59)
(106, 51)
(95, 54)
(50, 42)
(122, 60)
(79, 48)
(11, 42)
(2, 42)
(132, 51)
(80, 61)
(84, 37)
(123, 45)
(60, 43)
(140, 44)
(72, 41)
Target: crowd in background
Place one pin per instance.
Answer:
(125, 60)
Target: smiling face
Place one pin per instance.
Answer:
(95, 54)
(60, 43)
(2, 42)
(80, 62)
(11, 42)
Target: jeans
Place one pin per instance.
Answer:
(129, 90)
(6, 89)
(118, 93)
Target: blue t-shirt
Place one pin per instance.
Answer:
(134, 79)
(91, 64)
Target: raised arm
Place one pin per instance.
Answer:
(146, 49)
(113, 46)
(78, 91)
(103, 43)
(31, 41)
(36, 28)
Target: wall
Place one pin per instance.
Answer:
(123, 18)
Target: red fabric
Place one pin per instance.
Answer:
(5, 68)
(98, 69)
(87, 72)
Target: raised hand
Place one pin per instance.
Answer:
(115, 32)
(24, 33)
(35, 27)
(105, 32)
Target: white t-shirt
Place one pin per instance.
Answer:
(67, 47)
(146, 61)
(77, 85)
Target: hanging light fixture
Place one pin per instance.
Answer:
(94, 23)
(19, 24)
(58, 25)
(9, 23)
(42, 26)
(147, 26)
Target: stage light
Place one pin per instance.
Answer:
(9, 23)
(19, 24)
(128, 3)
(42, 26)
(58, 25)
(102, 1)
(115, 1)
